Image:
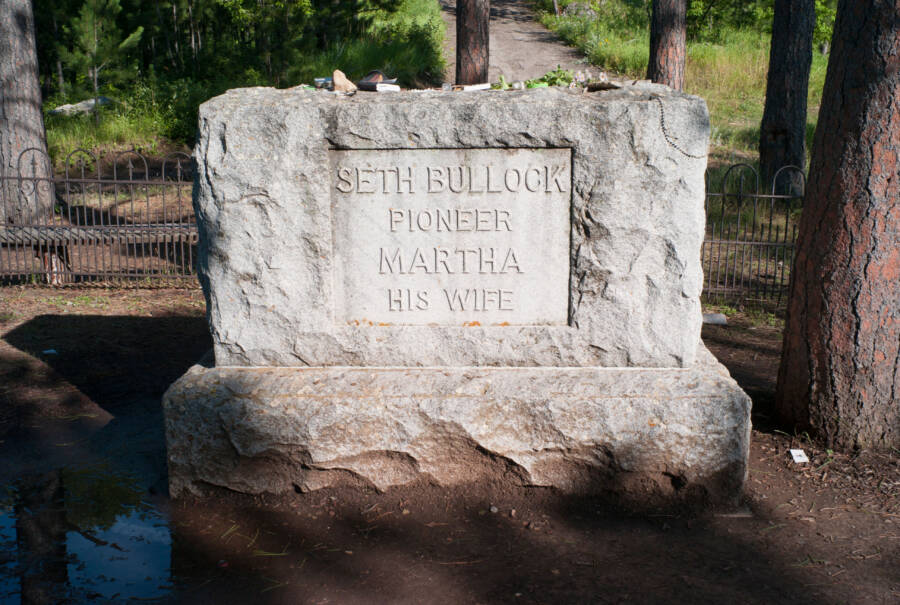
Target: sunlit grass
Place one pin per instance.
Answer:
(117, 129)
(731, 76)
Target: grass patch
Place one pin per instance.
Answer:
(729, 71)
(119, 128)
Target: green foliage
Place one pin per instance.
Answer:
(826, 10)
(182, 52)
(618, 50)
(98, 48)
(714, 20)
(558, 77)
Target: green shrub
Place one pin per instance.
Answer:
(403, 38)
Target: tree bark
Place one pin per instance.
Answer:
(840, 369)
(782, 134)
(472, 41)
(41, 538)
(25, 189)
(668, 32)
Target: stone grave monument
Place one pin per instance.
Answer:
(453, 286)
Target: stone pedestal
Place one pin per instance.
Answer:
(455, 286)
(595, 429)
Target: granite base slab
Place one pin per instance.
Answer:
(256, 430)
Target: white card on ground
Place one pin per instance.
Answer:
(799, 456)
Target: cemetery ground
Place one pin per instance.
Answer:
(84, 513)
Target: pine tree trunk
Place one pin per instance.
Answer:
(26, 192)
(60, 79)
(782, 135)
(668, 32)
(41, 529)
(472, 41)
(840, 370)
(59, 70)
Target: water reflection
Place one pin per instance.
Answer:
(81, 534)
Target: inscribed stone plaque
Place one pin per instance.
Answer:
(451, 236)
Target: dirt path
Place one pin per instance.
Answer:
(520, 47)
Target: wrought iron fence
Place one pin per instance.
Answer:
(130, 220)
(125, 220)
(750, 236)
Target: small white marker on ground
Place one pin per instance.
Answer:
(799, 456)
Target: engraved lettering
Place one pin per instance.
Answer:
(479, 299)
(384, 180)
(364, 178)
(447, 253)
(456, 301)
(464, 220)
(396, 218)
(486, 260)
(418, 262)
(401, 299)
(395, 299)
(436, 182)
(421, 223)
(506, 179)
(537, 181)
(389, 263)
(440, 260)
(463, 256)
(441, 218)
(459, 185)
(489, 298)
(344, 179)
(557, 174)
(405, 180)
(483, 220)
(503, 217)
(422, 300)
(510, 262)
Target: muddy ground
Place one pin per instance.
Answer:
(81, 375)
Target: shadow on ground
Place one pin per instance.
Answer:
(424, 544)
(83, 389)
(112, 360)
(84, 448)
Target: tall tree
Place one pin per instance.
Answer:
(472, 41)
(667, 43)
(25, 191)
(840, 370)
(98, 45)
(782, 135)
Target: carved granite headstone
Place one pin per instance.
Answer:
(452, 285)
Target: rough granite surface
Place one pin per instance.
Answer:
(263, 196)
(276, 429)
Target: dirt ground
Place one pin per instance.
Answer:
(81, 375)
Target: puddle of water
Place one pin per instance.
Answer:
(81, 534)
